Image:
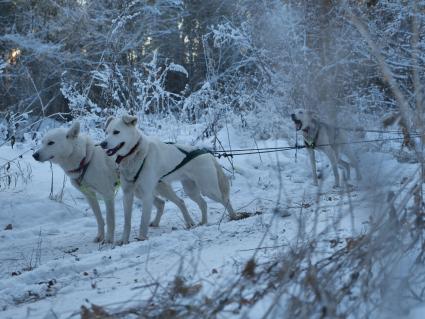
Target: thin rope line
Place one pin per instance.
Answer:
(250, 151)
(293, 147)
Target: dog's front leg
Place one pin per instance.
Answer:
(346, 166)
(333, 158)
(94, 204)
(110, 219)
(354, 162)
(313, 165)
(128, 197)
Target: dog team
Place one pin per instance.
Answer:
(145, 167)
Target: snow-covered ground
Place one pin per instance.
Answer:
(49, 265)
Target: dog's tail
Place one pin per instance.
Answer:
(223, 184)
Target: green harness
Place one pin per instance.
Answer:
(86, 189)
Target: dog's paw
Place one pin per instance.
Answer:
(190, 225)
(99, 238)
(107, 240)
(141, 238)
(154, 224)
(121, 242)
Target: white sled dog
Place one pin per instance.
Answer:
(145, 161)
(93, 172)
(327, 139)
(89, 170)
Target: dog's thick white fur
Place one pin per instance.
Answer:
(328, 139)
(89, 169)
(72, 151)
(153, 160)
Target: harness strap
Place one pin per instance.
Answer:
(189, 156)
(120, 158)
(79, 180)
(81, 168)
(139, 171)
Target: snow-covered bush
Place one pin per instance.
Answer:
(152, 95)
(144, 90)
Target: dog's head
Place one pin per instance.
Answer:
(304, 120)
(121, 135)
(57, 144)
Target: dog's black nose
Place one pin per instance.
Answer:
(293, 116)
(104, 144)
(36, 156)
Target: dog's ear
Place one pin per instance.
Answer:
(74, 130)
(129, 120)
(107, 122)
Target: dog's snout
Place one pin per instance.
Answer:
(104, 144)
(36, 156)
(293, 117)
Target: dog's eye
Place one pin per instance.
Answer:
(51, 143)
(116, 132)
